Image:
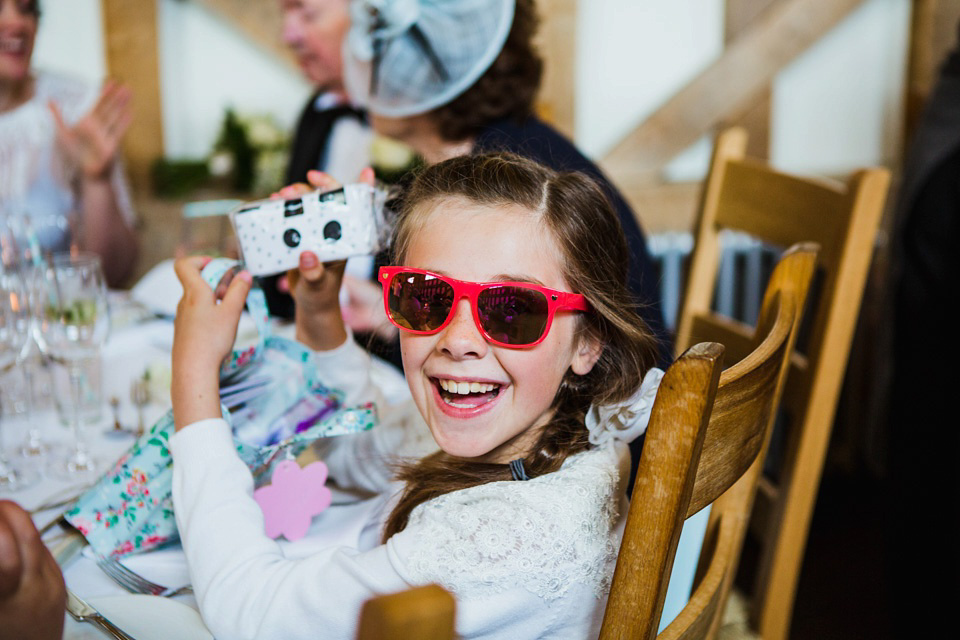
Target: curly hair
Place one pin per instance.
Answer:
(587, 231)
(506, 90)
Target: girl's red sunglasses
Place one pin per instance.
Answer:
(509, 314)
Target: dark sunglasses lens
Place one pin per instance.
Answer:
(513, 315)
(419, 302)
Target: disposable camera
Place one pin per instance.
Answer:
(333, 224)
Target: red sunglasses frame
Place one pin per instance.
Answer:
(556, 300)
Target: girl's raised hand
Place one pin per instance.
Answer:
(203, 334)
(315, 287)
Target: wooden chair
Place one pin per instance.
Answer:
(693, 457)
(424, 613)
(780, 209)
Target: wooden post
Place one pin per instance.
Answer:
(557, 44)
(130, 32)
(739, 16)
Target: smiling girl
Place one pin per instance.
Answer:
(524, 359)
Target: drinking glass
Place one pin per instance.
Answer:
(72, 324)
(20, 250)
(14, 334)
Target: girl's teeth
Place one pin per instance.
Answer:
(463, 388)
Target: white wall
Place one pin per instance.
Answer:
(206, 67)
(70, 39)
(632, 55)
(836, 107)
(840, 104)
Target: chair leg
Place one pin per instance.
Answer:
(780, 566)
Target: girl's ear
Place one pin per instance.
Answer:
(587, 355)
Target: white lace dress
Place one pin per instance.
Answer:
(525, 559)
(35, 179)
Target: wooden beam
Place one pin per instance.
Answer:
(130, 33)
(739, 16)
(557, 44)
(727, 86)
(670, 206)
(261, 21)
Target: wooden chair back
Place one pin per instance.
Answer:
(780, 209)
(424, 613)
(695, 455)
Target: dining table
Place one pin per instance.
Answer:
(141, 340)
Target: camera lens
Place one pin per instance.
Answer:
(291, 238)
(332, 230)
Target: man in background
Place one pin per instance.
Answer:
(331, 135)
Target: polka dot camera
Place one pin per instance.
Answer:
(333, 224)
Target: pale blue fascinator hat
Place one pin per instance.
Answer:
(407, 57)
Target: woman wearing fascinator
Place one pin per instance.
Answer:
(454, 77)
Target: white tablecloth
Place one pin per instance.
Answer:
(129, 350)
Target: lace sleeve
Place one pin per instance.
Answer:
(542, 536)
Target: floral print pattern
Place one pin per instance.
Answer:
(130, 509)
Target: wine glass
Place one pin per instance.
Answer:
(14, 334)
(72, 324)
(20, 249)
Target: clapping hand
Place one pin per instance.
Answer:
(93, 142)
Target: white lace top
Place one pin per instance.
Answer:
(526, 559)
(35, 178)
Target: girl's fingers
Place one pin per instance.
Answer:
(322, 181)
(236, 295)
(294, 190)
(188, 270)
(311, 269)
(367, 176)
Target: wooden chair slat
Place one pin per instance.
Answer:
(697, 452)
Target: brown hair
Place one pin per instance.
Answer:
(506, 90)
(594, 255)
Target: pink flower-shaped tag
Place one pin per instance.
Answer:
(292, 498)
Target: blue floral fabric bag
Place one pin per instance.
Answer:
(274, 403)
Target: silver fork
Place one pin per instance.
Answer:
(134, 582)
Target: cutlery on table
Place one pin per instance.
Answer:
(83, 612)
(134, 582)
(140, 396)
(118, 428)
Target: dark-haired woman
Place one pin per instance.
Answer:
(454, 77)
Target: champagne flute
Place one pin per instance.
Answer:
(14, 334)
(20, 249)
(73, 324)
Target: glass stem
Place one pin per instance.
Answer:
(80, 457)
(34, 439)
(7, 475)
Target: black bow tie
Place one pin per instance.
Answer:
(312, 134)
